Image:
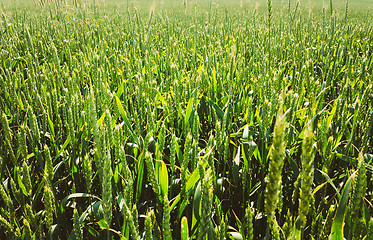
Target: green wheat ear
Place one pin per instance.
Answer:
(273, 179)
(5, 224)
(27, 230)
(269, 4)
(22, 141)
(48, 169)
(346, 11)
(5, 197)
(87, 167)
(106, 186)
(249, 216)
(328, 222)
(360, 186)
(166, 229)
(8, 137)
(6, 128)
(135, 215)
(128, 216)
(33, 125)
(206, 202)
(148, 225)
(26, 178)
(223, 227)
(77, 226)
(306, 174)
(29, 215)
(151, 173)
(173, 144)
(16, 192)
(370, 229)
(288, 225)
(49, 206)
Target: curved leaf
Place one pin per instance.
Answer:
(337, 228)
(235, 235)
(77, 195)
(184, 229)
(236, 166)
(331, 182)
(189, 109)
(163, 178)
(197, 201)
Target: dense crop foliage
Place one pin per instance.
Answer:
(188, 121)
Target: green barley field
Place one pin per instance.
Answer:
(186, 119)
